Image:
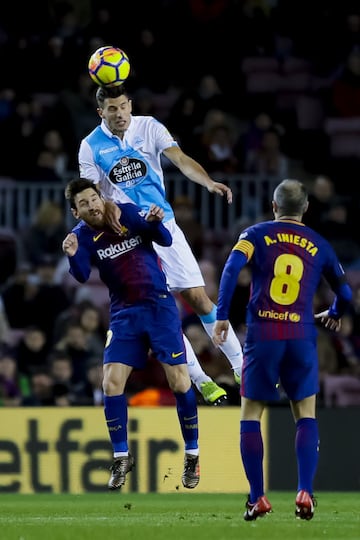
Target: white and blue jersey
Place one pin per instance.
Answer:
(130, 165)
(129, 170)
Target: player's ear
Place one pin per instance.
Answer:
(75, 213)
(99, 111)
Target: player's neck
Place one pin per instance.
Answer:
(287, 218)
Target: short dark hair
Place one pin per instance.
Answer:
(103, 93)
(291, 197)
(77, 185)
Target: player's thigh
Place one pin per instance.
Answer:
(305, 408)
(299, 370)
(261, 369)
(163, 327)
(126, 341)
(178, 261)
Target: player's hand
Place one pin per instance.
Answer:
(155, 213)
(221, 189)
(220, 332)
(328, 322)
(70, 245)
(112, 216)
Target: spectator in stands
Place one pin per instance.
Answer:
(5, 332)
(209, 95)
(62, 395)
(45, 233)
(342, 388)
(214, 118)
(196, 111)
(347, 346)
(7, 97)
(218, 149)
(45, 168)
(183, 119)
(210, 272)
(54, 64)
(32, 351)
(321, 195)
(268, 160)
(9, 249)
(188, 222)
(328, 363)
(259, 35)
(102, 25)
(61, 370)
(145, 102)
(74, 343)
(42, 390)
(250, 140)
(346, 87)
(14, 386)
(50, 298)
(17, 294)
(51, 162)
(337, 228)
(90, 319)
(22, 128)
(91, 392)
(74, 113)
(72, 313)
(147, 72)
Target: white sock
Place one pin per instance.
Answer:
(193, 452)
(197, 374)
(232, 346)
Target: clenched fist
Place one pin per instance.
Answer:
(70, 245)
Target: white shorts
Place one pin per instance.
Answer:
(178, 261)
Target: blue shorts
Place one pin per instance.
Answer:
(293, 363)
(146, 326)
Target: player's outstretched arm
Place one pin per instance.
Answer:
(195, 172)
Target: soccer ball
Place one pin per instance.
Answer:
(109, 66)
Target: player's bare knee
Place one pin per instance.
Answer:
(178, 379)
(112, 387)
(181, 386)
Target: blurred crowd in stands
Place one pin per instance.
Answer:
(266, 87)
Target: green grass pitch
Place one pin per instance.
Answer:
(176, 516)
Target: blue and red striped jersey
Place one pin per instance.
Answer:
(287, 260)
(128, 264)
